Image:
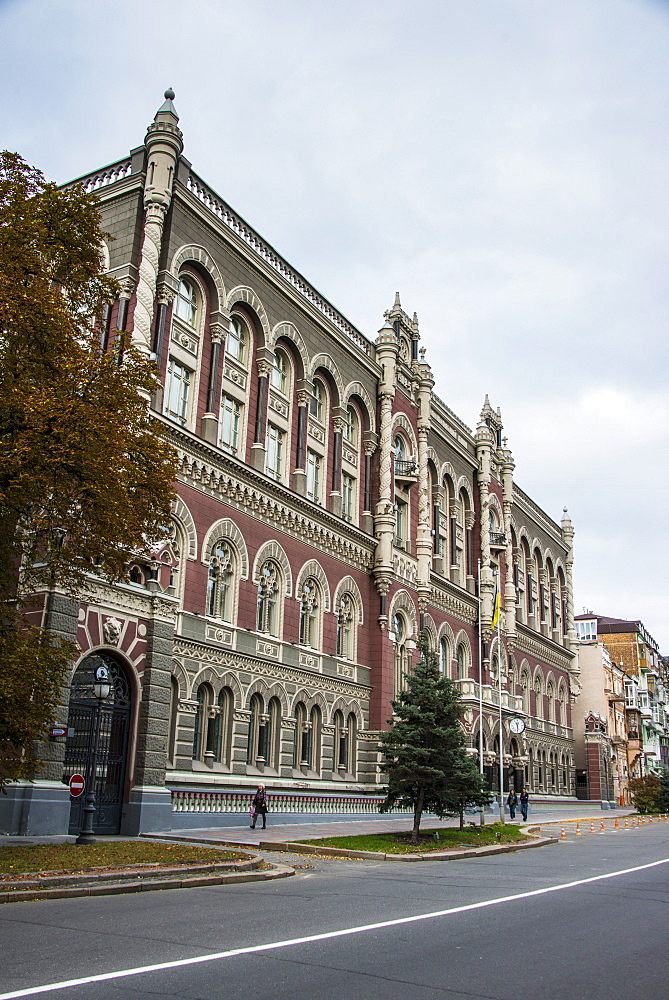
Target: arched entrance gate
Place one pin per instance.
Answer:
(113, 723)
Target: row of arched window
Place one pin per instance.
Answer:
(213, 728)
(321, 453)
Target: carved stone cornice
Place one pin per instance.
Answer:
(534, 644)
(213, 472)
(453, 600)
(235, 661)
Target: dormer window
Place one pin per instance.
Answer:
(187, 302)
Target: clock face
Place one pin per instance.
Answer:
(517, 726)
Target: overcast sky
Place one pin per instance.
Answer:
(503, 164)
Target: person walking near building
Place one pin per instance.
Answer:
(259, 807)
(512, 802)
(524, 803)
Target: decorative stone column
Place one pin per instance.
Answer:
(423, 536)
(509, 593)
(369, 444)
(384, 516)
(258, 451)
(335, 492)
(304, 394)
(217, 334)
(164, 143)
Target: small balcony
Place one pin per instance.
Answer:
(406, 470)
(497, 540)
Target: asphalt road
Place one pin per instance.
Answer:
(599, 939)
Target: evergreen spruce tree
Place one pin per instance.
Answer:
(425, 756)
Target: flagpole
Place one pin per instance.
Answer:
(481, 815)
(499, 691)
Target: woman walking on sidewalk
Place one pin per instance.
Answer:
(259, 807)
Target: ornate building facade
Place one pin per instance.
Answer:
(330, 508)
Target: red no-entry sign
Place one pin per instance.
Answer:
(77, 785)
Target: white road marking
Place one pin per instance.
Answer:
(327, 936)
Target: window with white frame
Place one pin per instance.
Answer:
(586, 631)
(401, 510)
(309, 614)
(236, 341)
(219, 598)
(444, 658)
(461, 662)
(231, 413)
(187, 303)
(177, 391)
(402, 655)
(314, 465)
(345, 626)
(279, 374)
(317, 401)
(268, 596)
(348, 498)
(351, 427)
(276, 439)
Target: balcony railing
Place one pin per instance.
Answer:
(498, 539)
(405, 467)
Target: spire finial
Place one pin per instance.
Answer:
(169, 94)
(398, 304)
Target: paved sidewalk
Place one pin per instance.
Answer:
(285, 828)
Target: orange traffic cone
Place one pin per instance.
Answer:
(616, 824)
(592, 827)
(578, 829)
(650, 819)
(602, 827)
(627, 826)
(563, 835)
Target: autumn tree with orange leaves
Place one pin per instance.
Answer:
(85, 472)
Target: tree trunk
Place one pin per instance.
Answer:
(417, 812)
(462, 818)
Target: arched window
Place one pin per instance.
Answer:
(274, 734)
(399, 448)
(550, 699)
(444, 658)
(461, 662)
(237, 340)
(174, 718)
(317, 401)
(219, 603)
(257, 741)
(309, 614)
(186, 305)
(268, 591)
(352, 744)
(339, 744)
(351, 427)
(136, 575)
(525, 685)
(402, 656)
(315, 721)
(279, 375)
(201, 732)
(538, 698)
(345, 626)
(302, 758)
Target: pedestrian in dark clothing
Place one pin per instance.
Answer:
(259, 806)
(524, 803)
(512, 802)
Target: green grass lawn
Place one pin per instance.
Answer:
(105, 854)
(400, 843)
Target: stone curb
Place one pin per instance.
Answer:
(454, 855)
(102, 887)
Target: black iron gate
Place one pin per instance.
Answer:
(111, 717)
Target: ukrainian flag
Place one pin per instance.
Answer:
(497, 606)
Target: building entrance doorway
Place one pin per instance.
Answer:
(111, 719)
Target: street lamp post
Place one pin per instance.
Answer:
(101, 687)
